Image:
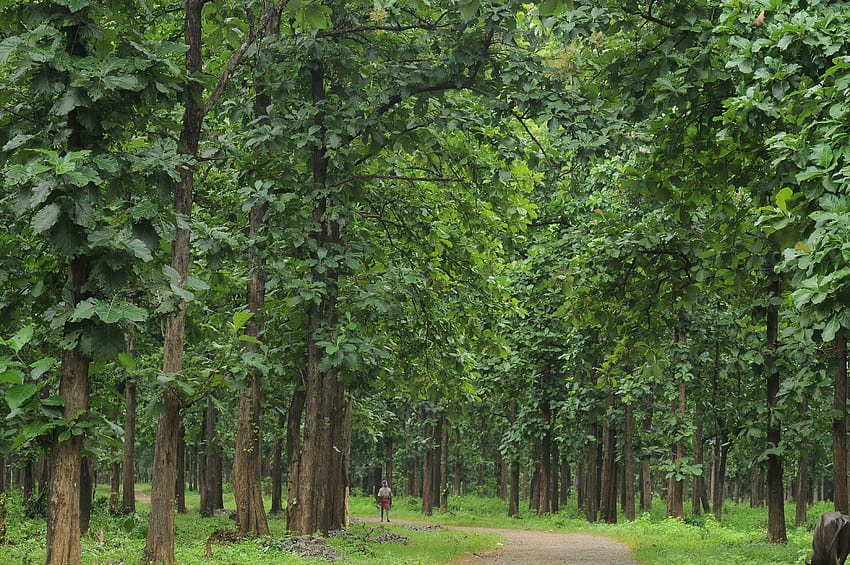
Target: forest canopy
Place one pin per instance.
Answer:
(587, 248)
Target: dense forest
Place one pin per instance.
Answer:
(582, 248)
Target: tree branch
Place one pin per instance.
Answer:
(650, 18)
(236, 57)
(391, 177)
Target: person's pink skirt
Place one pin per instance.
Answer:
(385, 503)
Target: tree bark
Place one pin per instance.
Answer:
(180, 482)
(247, 462)
(608, 503)
(160, 542)
(543, 503)
(277, 470)
(721, 450)
(444, 464)
(210, 483)
(675, 494)
(591, 479)
(114, 471)
(645, 469)
(839, 428)
(776, 531)
(801, 496)
(699, 501)
(63, 504)
(128, 473)
(629, 464)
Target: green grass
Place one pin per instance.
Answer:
(655, 540)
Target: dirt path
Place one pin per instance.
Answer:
(530, 547)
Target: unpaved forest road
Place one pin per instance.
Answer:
(529, 547)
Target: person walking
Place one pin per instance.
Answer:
(385, 499)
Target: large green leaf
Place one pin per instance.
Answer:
(16, 395)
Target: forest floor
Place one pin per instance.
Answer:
(531, 547)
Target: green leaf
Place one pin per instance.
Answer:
(122, 82)
(12, 376)
(46, 218)
(16, 395)
(85, 310)
(469, 8)
(7, 47)
(127, 360)
(240, 319)
(21, 338)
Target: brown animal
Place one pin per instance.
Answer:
(831, 541)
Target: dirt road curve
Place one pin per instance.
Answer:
(544, 548)
(528, 547)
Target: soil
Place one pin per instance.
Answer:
(530, 547)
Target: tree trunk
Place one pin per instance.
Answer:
(629, 464)
(608, 506)
(700, 499)
(428, 487)
(776, 532)
(513, 492)
(444, 464)
(591, 479)
(645, 469)
(544, 504)
(160, 540)
(277, 470)
(675, 494)
(87, 481)
(114, 471)
(210, 482)
(801, 496)
(389, 462)
(180, 482)
(721, 450)
(458, 466)
(63, 504)
(839, 428)
(247, 461)
(128, 473)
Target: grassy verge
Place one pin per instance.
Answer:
(741, 539)
(114, 540)
(655, 540)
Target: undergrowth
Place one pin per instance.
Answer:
(655, 540)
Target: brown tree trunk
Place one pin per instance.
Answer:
(543, 503)
(629, 464)
(389, 462)
(591, 470)
(458, 466)
(63, 504)
(700, 498)
(428, 487)
(555, 483)
(444, 464)
(801, 495)
(839, 428)
(776, 531)
(645, 469)
(322, 477)
(608, 502)
(247, 461)
(128, 467)
(277, 470)
(180, 483)
(676, 494)
(210, 481)
(114, 472)
(160, 540)
(721, 449)
(87, 481)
